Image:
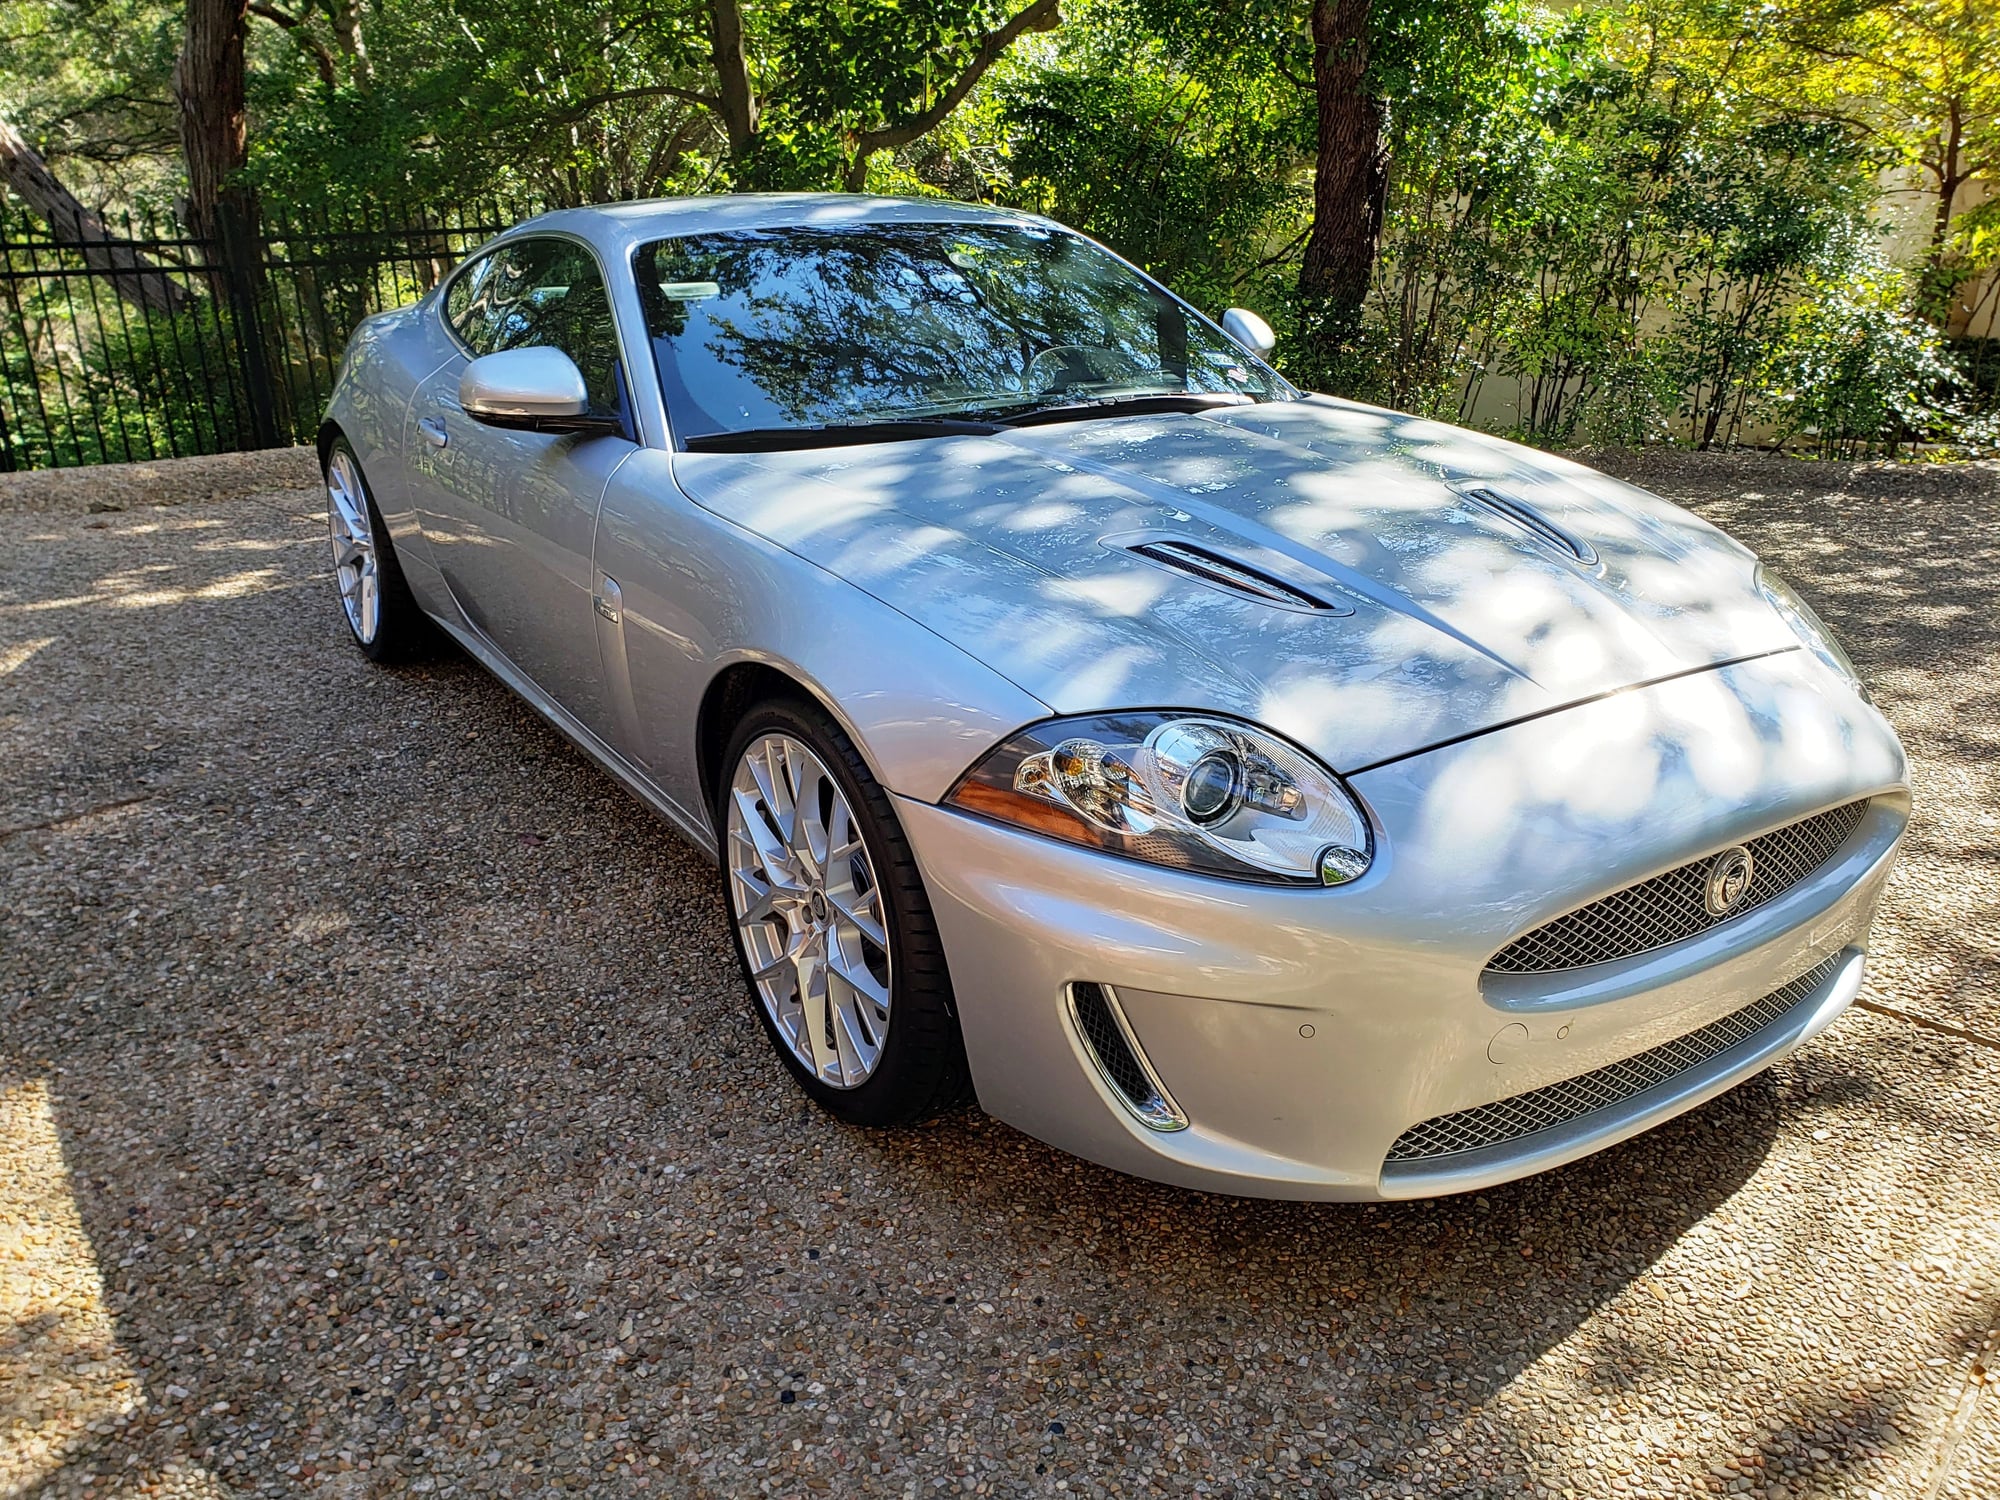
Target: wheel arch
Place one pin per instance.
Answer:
(329, 433)
(730, 694)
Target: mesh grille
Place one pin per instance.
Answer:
(1114, 1055)
(1668, 908)
(1120, 1065)
(1509, 1120)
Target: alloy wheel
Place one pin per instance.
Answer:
(807, 901)
(356, 566)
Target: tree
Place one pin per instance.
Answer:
(1368, 58)
(214, 125)
(136, 279)
(1921, 78)
(343, 18)
(1351, 170)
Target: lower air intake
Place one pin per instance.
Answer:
(1102, 1027)
(1509, 1121)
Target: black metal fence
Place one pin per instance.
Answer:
(153, 344)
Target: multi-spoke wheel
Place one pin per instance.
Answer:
(831, 921)
(355, 567)
(386, 621)
(809, 910)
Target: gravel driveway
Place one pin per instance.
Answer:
(381, 1112)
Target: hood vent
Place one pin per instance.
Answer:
(1530, 520)
(1235, 577)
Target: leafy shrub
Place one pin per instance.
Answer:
(1858, 372)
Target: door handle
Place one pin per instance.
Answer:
(433, 430)
(609, 600)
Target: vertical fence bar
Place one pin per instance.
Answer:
(174, 329)
(70, 423)
(107, 379)
(238, 247)
(20, 324)
(332, 341)
(13, 399)
(308, 357)
(219, 373)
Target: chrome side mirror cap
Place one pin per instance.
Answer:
(1249, 330)
(531, 390)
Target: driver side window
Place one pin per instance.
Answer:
(542, 293)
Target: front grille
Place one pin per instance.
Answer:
(1508, 1121)
(1117, 1058)
(1668, 908)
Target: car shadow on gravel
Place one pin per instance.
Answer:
(430, 1127)
(1417, 1312)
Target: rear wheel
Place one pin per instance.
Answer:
(832, 923)
(374, 598)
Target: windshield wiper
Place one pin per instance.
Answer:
(1122, 406)
(835, 435)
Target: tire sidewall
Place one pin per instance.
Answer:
(396, 618)
(884, 1097)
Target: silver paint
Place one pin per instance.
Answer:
(1532, 726)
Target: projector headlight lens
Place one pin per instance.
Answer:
(1190, 791)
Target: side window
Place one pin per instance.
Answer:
(464, 307)
(542, 293)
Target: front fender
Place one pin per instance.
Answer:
(700, 594)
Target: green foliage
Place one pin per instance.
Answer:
(1857, 372)
(1185, 162)
(1633, 221)
(100, 383)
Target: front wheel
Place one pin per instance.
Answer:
(832, 923)
(385, 620)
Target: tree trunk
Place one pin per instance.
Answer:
(737, 101)
(1350, 179)
(135, 278)
(1936, 284)
(208, 84)
(347, 36)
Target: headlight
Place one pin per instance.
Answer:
(1186, 790)
(1808, 627)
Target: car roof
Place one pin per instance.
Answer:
(616, 227)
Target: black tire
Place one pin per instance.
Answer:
(402, 630)
(922, 1067)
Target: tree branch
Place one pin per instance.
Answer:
(321, 54)
(648, 91)
(1042, 15)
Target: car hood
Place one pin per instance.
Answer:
(1445, 613)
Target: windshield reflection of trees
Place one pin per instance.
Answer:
(817, 326)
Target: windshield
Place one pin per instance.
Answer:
(802, 328)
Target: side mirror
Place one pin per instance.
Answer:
(530, 390)
(1249, 330)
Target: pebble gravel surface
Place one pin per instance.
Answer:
(382, 1113)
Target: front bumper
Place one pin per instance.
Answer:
(1301, 1032)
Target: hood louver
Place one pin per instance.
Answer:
(1530, 520)
(1235, 577)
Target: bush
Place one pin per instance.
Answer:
(1858, 372)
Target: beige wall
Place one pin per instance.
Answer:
(1909, 206)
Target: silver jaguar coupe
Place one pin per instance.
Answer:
(1240, 788)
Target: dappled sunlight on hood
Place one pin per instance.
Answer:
(1640, 769)
(1446, 615)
